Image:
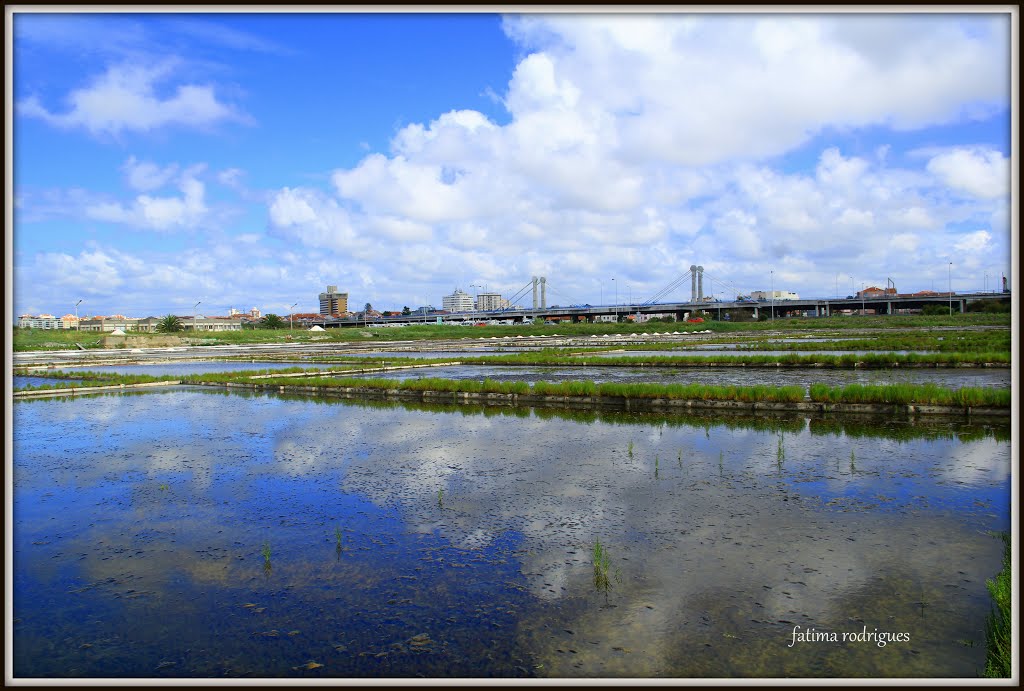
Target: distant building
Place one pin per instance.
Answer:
(876, 292)
(333, 302)
(768, 295)
(457, 302)
(491, 301)
(255, 313)
(42, 321)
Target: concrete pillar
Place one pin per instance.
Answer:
(756, 315)
(543, 292)
(693, 283)
(534, 292)
(700, 284)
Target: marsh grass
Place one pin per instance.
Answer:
(904, 394)
(882, 360)
(86, 378)
(629, 449)
(440, 498)
(911, 394)
(998, 629)
(602, 569)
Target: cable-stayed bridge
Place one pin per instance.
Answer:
(659, 304)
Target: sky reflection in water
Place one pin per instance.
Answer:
(408, 540)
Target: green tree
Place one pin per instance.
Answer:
(367, 307)
(169, 324)
(272, 321)
(406, 311)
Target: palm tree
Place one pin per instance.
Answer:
(272, 321)
(169, 324)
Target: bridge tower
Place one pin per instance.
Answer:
(700, 284)
(693, 283)
(543, 292)
(534, 292)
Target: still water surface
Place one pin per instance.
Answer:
(408, 540)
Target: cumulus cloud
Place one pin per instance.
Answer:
(974, 242)
(157, 213)
(146, 176)
(126, 98)
(982, 173)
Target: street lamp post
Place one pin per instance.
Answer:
(78, 324)
(291, 316)
(949, 287)
(616, 301)
(195, 316)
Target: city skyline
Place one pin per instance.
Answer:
(244, 160)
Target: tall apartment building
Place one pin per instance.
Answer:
(491, 301)
(457, 302)
(333, 302)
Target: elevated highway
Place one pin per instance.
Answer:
(820, 307)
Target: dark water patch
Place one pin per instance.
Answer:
(200, 533)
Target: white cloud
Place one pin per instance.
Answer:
(146, 176)
(982, 173)
(125, 97)
(158, 213)
(974, 242)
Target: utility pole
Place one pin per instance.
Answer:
(949, 278)
(291, 316)
(78, 324)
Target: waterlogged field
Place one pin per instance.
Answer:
(718, 376)
(196, 533)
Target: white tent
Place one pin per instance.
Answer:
(117, 332)
(316, 327)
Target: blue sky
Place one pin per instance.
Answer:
(249, 160)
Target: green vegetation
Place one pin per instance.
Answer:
(911, 394)
(169, 324)
(81, 379)
(602, 569)
(998, 633)
(265, 551)
(52, 339)
(272, 321)
(440, 498)
(867, 361)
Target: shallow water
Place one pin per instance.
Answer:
(734, 376)
(466, 535)
(182, 368)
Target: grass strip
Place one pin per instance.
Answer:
(898, 394)
(911, 394)
(998, 644)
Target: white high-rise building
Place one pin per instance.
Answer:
(457, 302)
